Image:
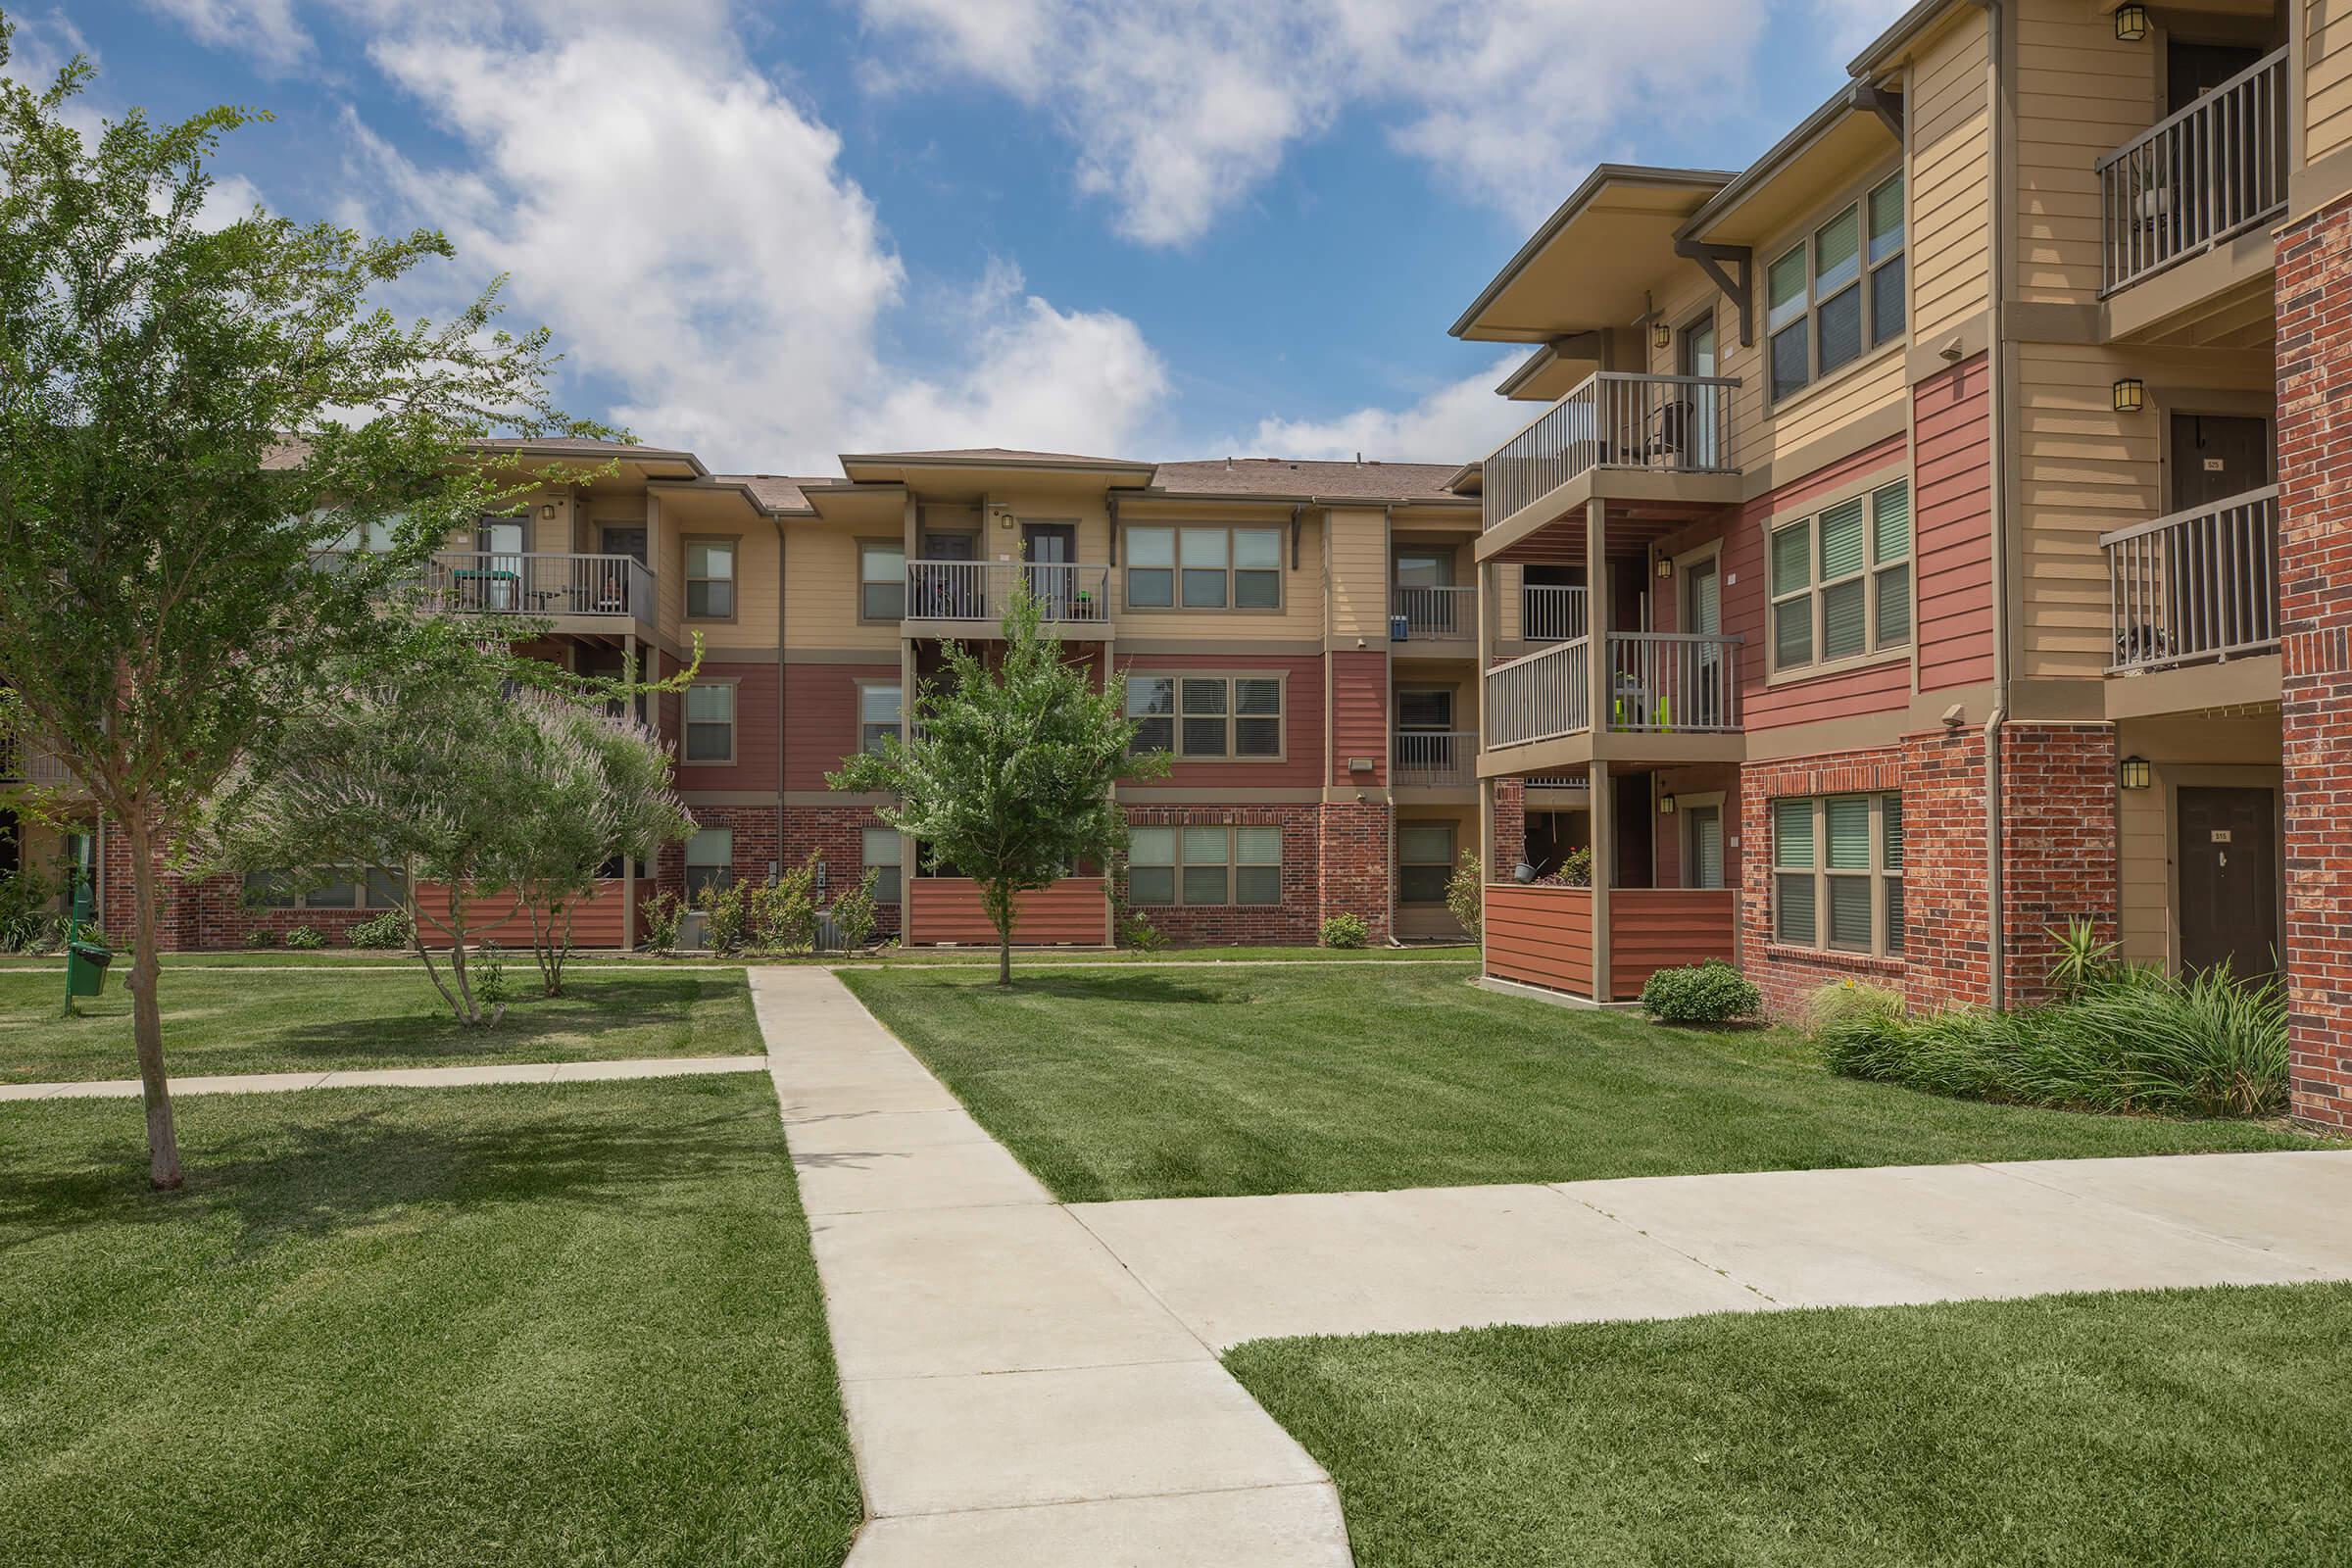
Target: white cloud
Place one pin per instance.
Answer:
(264, 30)
(1180, 108)
(1849, 25)
(1455, 424)
(686, 230)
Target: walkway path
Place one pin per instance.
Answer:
(520, 1072)
(1014, 1395)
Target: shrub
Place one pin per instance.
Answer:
(25, 908)
(1466, 894)
(261, 936)
(394, 928)
(305, 939)
(664, 913)
(1345, 931)
(490, 981)
(1576, 872)
(725, 923)
(853, 914)
(1134, 930)
(1713, 992)
(781, 918)
(2084, 962)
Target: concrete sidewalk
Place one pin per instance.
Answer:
(520, 1072)
(1014, 1395)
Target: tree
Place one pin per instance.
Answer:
(600, 792)
(1010, 771)
(189, 416)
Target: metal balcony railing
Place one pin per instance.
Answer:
(1434, 613)
(982, 590)
(1551, 614)
(24, 762)
(1541, 696)
(1666, 682)
(499, 582)
(1426, 759)
(2198, 585)
(2199, 175)
(1668, 423)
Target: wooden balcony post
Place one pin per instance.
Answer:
(1598, 617)
(1604, 871)
(1488, 575)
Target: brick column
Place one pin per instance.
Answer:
(1510, 827)
(2058, 846)
(1355, 862)
(2315, 612)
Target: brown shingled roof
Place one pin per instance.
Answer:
(993, 455)
(773, 491)
(1306, 477)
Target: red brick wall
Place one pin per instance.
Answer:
(2058, 845)
(1293, 919)
(1945, 881)
(837, 832)
(1786, 976)
(1510, 827)
(1356, 875)
(2314, 559)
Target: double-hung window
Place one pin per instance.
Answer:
(1841, 580)
(1837, 292)
(877, 713)
(710, 861)
(1204, 569)
(1837, 872)
(1205, 864)
(881, 582)
(373, 887)
(1207, 718)
(711, 579)
(878, 851)
(710, 722)
(1424, 862)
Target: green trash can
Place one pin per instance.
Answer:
(85, 968)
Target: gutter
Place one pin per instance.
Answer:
(1997, 347)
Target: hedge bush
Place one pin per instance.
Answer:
(1713, 992)
(1345, 931)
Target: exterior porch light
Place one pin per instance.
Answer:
(1665, 566)
(2130, 23)
(2131, 395)
(1666, 805)
(1661, 336)
(2134, 774)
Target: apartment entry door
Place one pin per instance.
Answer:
(497, 572)
(1702, 615)
(1052, 549)
(2230, 879)
(2231, 564)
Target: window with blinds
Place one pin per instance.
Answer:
(1842, 582)
(1837, 291)
(1205, 864)
(1838, 873)
(1207, 718)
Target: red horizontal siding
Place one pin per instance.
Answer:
(500, 917)
(1954, 555)
(820, 718)
(1540, 936)
(1073, 911)
(1360, 716)
(1661, 928)
(757, 747)
(1301, 765)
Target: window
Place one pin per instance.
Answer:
(1842, 582)
(1152, 707)
(878, 851)
(1425, 708)
(711, 579)
(1199, 717)
(1204, 569)
(881, 582)
(1424, 862)
(710, 861)
(710, 722)
(337, 888)
(1204, 865)
(877, 715)
(1820, 310)
(372, 538)
(1837, 872)
(1424, 568)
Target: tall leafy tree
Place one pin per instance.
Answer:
(1010, 771)
(189, 416)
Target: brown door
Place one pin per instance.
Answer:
(2194, 69)
(625, 542)
(2217, 455)
(1051, 548)
(2228, 862)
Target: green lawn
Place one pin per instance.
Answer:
(229, 1023)
(351, 958)
(2176, 1427)
(1196, 1082)
(548, 1325)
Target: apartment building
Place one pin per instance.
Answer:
(1300, 635)
(1955, 495)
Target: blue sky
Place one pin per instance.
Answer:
(1158, 228)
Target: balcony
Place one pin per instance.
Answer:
(1545, 936)
(1432, 759)
(1657, 431)
(554, 585)
(1657, 684)
(1433, 615)
(1551, 614)
(969, 598)
(2200, 588)
(2201, 175)
(26, 763)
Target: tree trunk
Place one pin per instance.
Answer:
(997, 898)
(146, 1011)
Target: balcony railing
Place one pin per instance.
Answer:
(1660, 682)
(1432, 759)
(982, 590)
(2198, 585)
(502, 582)
(2199, 175)
(1434, 613)
(1551, 614)
(24, 762)
(1663, 423)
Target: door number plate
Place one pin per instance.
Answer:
(2221, 835)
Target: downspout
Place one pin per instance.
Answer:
(781, 819)
(1996, 384)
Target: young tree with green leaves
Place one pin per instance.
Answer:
(1010, 771)
(189, 416)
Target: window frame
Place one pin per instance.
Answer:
(359, 878)
(1873, 574)
(1871, 340)
(864, 684)
(687, 722)
(1231, 864)
(1445, 868)
(688, 866)
(1280, 570)
(895, 865)
(734, 578)
(1232, 714)
(1884, 877)
(860, 549)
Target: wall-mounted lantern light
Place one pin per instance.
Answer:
(2131, 395)
(1666, 805)
(1665, 565)
(1661, 336)
(2130, 23)
(2134, 774)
